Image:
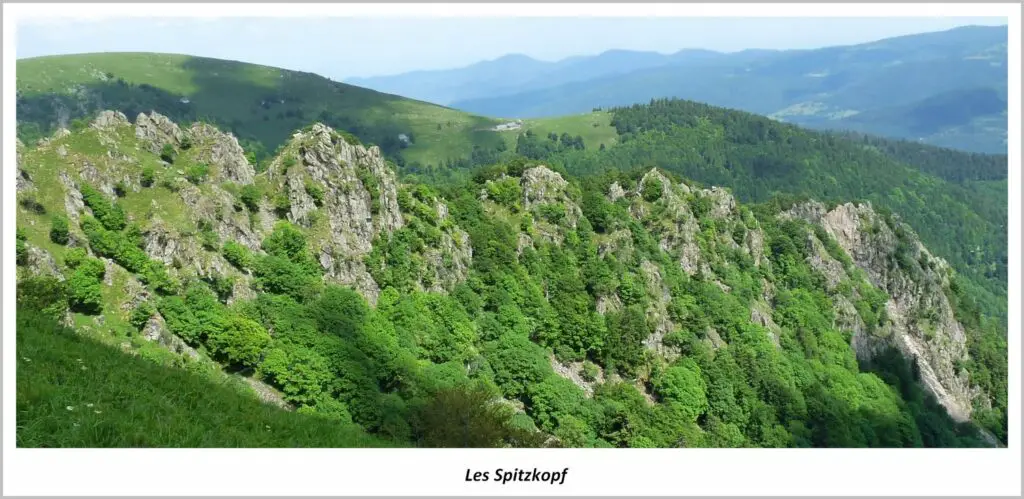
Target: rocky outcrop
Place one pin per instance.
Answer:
(351, 272)
(541, 186)
(40, 262)
(23, 181)
(223, 153)
(267, 394)
(654, 177)
(606, 304)
(353, 217)
(57, 135)
(723, 205)
(110, 120)
(657, 312)
(156, 330)
(615, 192)
(182, 254)
(573, 371)
(155, 131)
(753, 245)
(449, 262)
(356, 204)
(545, 193)
(677, 227)
(216, 208)
(920, 316)
(761, 314)
(73, 201)
(102, 181)
(163, 243)
(821, 261)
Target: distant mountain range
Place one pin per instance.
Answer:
(945, 88)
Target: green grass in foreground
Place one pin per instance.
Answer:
(75, 392)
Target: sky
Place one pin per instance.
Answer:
(341, 48)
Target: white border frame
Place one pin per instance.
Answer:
(442, 472)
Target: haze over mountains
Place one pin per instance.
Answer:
(945, 88)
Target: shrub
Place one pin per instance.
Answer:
(251, 197)
(288, 162)
(197, 173)
(280, 275)
(282, 204)
(505, 192)
(148, 176)
(84, 286)
(350, 139)
(652, 190)
(372, 186)
(120, 189)
(29, 202)
(74, 257)
(59, 230)
(683, 387)
(237, 255)
(224, 287)
(552, 212)
(45, 294)
(316, 192)
(589, 371)
(168, 153)
(209, 239)
(21, 252)
(240, 341)
(141, 315)
(109, 214)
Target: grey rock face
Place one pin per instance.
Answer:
(657, 312)
(542, 189)
(108, 120)
(541, 185)
(223, 153)
(615, 192)
(156, 330)
(921, 318)
(23, 183)
(155, 130)
(40, 262)
(353, 218)
(73, 202)
(357, 206)
(574, 372)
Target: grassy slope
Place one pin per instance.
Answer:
(153, 397)
(595, 128)
(77, 392)
(231, 93)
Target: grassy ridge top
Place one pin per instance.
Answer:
(261, 105)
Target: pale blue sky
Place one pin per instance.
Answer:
(345, 47)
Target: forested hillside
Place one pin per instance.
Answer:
(584, 300)
(956, 201)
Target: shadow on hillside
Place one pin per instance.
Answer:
(73, 391)
(936, 428)
(260, 106)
